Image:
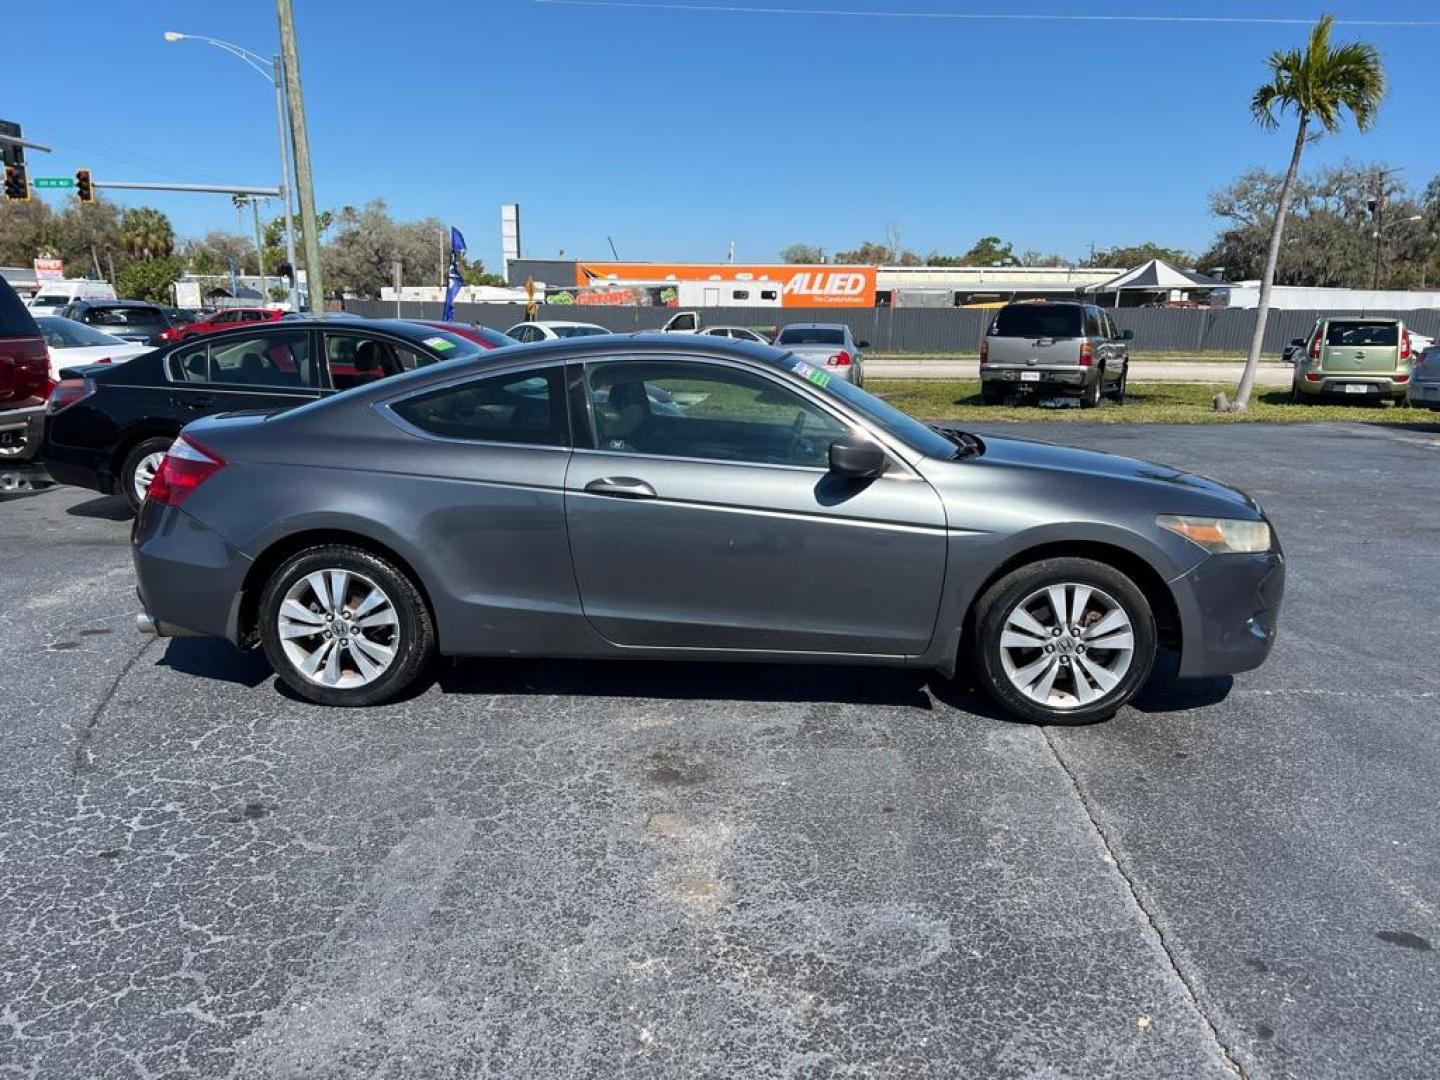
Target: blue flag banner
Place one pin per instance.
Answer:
(457, 241)
(457, 245)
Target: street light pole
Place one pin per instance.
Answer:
(304, 182)
(276, 79)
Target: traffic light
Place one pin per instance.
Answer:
(17, 184)
(84, 189)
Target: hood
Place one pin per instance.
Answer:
(1026, 453)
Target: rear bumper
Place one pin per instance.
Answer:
(79, 466)
(188, 577)
(21, 434)
(1028, 378)
(1425, 393)
(1334, 385)
(1229, 612)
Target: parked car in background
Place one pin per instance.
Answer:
(527, 332)
(1424, 389)
(24, 382)
(109, 427)
(1050, 348)
(739, 333)
(827, 346)
(55, 295)
(1354, 358)
(130, 320)
(74, 344)
(222, 320)
(778, 514)
(481, 335)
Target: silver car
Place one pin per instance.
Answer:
(1424, 390)
(1041, 347)
(536, 502)
(829, 346)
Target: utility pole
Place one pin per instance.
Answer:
(1377, 207)
(304, 182)
(285, 184)
(260, 252)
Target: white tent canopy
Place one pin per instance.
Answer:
(1155, 276)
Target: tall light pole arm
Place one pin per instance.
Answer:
(256, 61)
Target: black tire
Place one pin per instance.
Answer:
(995, 607)
(1090, 396)
(415, 629)
(1118, 394)
(992, 394)
(146, 448)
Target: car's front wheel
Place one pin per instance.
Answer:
(1064, 641)
(342, 626)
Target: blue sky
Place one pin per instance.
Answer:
(678, 131)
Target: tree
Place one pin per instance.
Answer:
(1133, 255)
(148, 279)
(870, 253)
(1319, 85)
(473, 273)
(990, 251)
(145, 233)
(218, 251)
(273, 238)
(801, 253)
(368, 242)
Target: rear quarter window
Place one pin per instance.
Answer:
(1037, 321)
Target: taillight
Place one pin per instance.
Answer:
(1313, 376)
(1403, 377)
(1315, 347)
(172, 334)
(984, 352)
(1405, 345)
(103, 360)
(840, 359)
(187, 465)
(1087, 354)
(67, 392)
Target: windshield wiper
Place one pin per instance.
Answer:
(966, 445)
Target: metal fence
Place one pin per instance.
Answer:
(923, 330)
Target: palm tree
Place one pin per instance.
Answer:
(1319, 84)
(145, 233)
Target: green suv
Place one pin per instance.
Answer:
(1358, 359)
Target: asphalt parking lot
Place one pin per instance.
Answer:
(564, 869)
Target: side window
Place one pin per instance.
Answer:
(265, 360)
(518, 407)
(188, 365)
(1092, 322)
(354, 359)
(696, 410)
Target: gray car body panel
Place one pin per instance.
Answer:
(819, 355)
(726, 560)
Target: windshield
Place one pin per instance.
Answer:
(1037, 321)
(810, 335)
(1363, 333)
(49, 300)
(905, 428)
(123, 316)
(68, 334)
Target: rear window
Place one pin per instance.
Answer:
(1363, 333)
(1037, 321)
(578, 331)
(801, 335)
(122, 316)
(15, 321)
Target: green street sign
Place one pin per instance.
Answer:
(54, 181)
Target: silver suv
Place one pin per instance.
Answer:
(1036, 346)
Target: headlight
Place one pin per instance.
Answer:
(1226, 535)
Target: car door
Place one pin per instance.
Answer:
(702, 515)
(260, 369)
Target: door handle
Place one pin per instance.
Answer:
(620, 487)
(196, 401)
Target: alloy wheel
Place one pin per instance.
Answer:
(145, 471)
(338, 628)
(1067, 646)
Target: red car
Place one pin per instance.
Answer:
(481, 335)
(223, 320)
(24, 384)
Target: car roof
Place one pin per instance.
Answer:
(814, 326)
(558, 322)
(96, 302)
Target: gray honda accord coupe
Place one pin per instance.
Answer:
(698, 498)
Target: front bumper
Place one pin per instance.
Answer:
(188, 577)
(1229, 612)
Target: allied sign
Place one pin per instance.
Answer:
(800, 285)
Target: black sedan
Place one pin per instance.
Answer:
(108, 427)
(130, 320)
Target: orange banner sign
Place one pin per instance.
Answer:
(801, 285)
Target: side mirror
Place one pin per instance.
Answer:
(856, 458)
(1127, 335)
(863, 345)
(1298, 342)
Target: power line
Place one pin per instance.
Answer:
(994, 16)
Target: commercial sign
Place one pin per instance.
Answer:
(801, 285)
(606, 298)
(49, 269)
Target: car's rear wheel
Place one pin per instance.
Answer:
(139, 468)
(1064, 641)
(342, 626)
(1090, 396)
